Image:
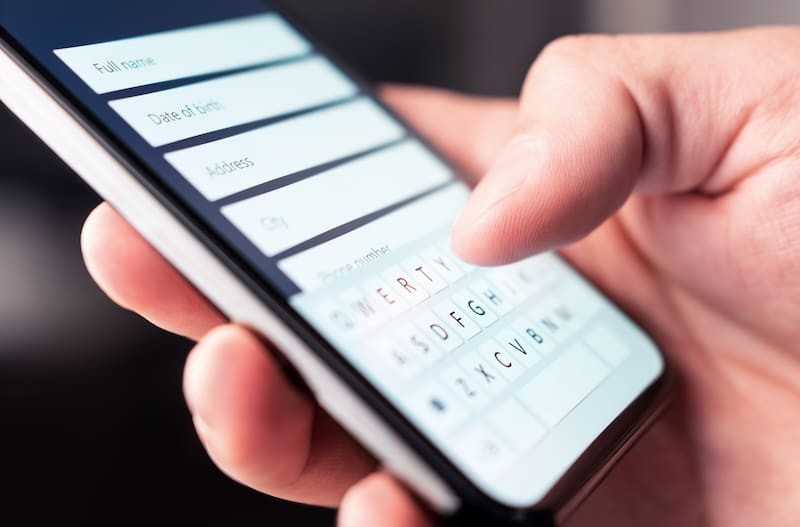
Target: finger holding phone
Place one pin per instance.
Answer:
(701, 255)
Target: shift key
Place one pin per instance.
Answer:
(563, 384)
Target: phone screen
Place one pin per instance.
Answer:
(511, 372)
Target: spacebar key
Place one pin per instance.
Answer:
(563, 384)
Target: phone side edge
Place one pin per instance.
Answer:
(45, 115)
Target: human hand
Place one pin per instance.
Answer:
(705, 254)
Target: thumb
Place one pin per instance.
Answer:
(601, 115)
(572, 162)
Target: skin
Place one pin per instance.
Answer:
(681, 154)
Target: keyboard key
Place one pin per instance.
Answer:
(528, 276)
(442, 264)
(490, 294)
(481, 449)
(540, 271)
(396, 360)
(425, 274)
(513, 293)
(516, 425)
(483, 373)
(366, 312)
(563, 384)
(436, 407)
(382, 293)
(465, 387)
(405, 286)
(551, 268)
(447, 249)
(477, 310)
(509, 366)
(418, 343)
(607, 345)
(534, 335)
(577, 303)
(433, 327)
(457, 319)
(516, 347)
(545, 318)
(337, 318)
(564, 313)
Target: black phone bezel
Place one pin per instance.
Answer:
(477, 506)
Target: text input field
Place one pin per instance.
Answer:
(236, 163)
(180, 113)
(283, 218)
(177, 54)
(331, 260)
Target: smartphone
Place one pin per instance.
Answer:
(300, 206)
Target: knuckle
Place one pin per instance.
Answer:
(603, 54)
(568, 45)
(610, 54)
(580, 47)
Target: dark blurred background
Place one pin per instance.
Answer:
(94, 427)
